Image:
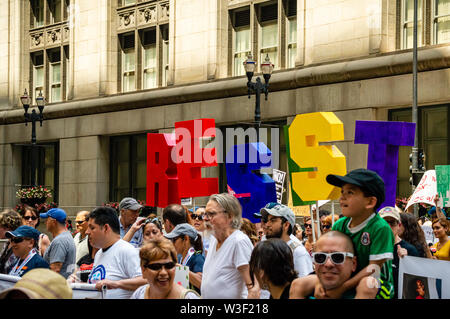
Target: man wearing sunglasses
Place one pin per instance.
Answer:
(24, 246)
(280, 221)
(334, 263)
(80, 239)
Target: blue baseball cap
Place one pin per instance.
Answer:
(56, 213)
(433, 211)
(24, 231)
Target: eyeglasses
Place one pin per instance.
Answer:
(30, 217)
(194, 217)
(337, 258)
(210, 214)
(159, 266)
(17, 240)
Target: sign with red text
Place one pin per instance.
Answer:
(425, 191)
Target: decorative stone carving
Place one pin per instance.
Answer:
(164, 11)
(53, 36)
(147, 15)
(66, 33)
(126, 19)
(36, 40)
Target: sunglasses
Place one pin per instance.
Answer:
(30, 217)
(308, 226)
(17, 240)
(159, 266)
(337, 258)
(194, 217)
(326, 226)
(79, 222)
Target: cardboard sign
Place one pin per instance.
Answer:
(278, 177)
(443, 184)
(423, 278)
(425, 191)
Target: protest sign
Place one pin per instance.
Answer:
(87, 291)
(278, 177)
(7, 281)
(182, 276)
(423, 278)
(443, 184)
(429, 235)
(425, 191)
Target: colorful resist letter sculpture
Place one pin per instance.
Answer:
(384, 139)
(253, 189)
(162, 179)
(310, 163)
(191, 157)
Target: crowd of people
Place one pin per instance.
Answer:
(352, 255)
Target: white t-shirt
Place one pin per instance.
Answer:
(221, 278)
(140, 293)
(120, 261)
(302, 260)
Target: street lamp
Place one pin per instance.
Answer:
(258, 87)
(33, 117)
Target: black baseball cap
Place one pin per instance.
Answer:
(369, 181)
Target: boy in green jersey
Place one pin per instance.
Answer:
(362, 194)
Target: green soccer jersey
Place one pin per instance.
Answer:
(373, 240)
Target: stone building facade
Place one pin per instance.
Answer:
(114, 70)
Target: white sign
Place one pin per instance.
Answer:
(182, 276)
(321, 203)
(186, 201)
(425, 191)
(423, 278)
(278, 177)
(79, 290)
(429, 235)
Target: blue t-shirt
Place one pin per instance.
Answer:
(35, 262)
(196, 262)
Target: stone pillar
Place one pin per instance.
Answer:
(84, 173)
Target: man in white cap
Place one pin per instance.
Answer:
(280, 222)
(129, 212)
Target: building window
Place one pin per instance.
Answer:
(128, 167)
(268, 21)
(54, 57)
(127, 42)
(37, 10)
(407, 17)
(37, 60)
(164, 29)
(127, 2)
(291, 30)
(46, 166)
(149, 57)
(433, 139)
(241, 39)
(441, 21)
(55, 8)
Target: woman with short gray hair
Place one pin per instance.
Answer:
(226, 270)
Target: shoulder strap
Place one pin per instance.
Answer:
(184, 293)
(293, 245)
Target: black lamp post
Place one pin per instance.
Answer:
(33, 117)
(258, 87)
